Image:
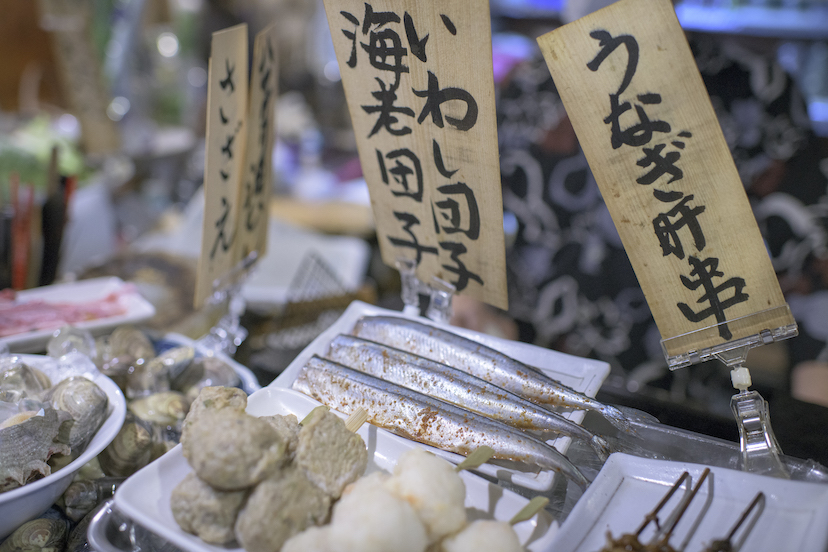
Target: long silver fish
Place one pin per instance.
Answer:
(479, 360)
(455, 386)
(425, 419)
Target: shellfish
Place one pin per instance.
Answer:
(86, 403)
(27, 441)
(131, 449)
(38, 535)
(205, 372)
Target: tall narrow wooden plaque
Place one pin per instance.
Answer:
(641, 112)
(418, 80)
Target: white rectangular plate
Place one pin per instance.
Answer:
(795, 515)
(145, 496)
(137, 309)
(581, 374)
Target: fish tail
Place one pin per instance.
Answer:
(616, 418)
(601, 446)
(571, 472)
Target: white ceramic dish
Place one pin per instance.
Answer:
(145, 496)
(250, 383)
(795, 516)
(581, 374)
(137, 309)
(29, 501)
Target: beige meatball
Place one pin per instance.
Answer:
(434, 490)
(211, 399)
(279, 508)
(287, 426)
(205, 512)
(231, 450)
(484, 534)
(330, 455)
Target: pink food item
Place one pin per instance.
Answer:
(26, 316)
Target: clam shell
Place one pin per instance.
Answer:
(176, 359)
(205, 372)
(27, 441)
(168, 408)
(86, 403)
(130, 450)
(148, 378)
(28, 381)
(81, 497)
(129, 340)
(38, 535)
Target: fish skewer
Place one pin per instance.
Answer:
(481, 361)
(425, 419)
(455, 386)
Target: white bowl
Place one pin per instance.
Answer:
(29, 501)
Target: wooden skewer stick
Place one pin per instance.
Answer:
(356, 419)
(533, 507)
(478, 457)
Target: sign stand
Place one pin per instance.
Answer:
(760, 451)
(228, 333)
(642, 114)
(439, 292)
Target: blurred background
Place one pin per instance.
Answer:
(102, 121)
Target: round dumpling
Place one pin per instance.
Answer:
(435, 491)
(368, 518)
(484, 534)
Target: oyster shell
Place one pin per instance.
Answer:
(86, 403)
(27, 441)
(131, 449)
(38, 535)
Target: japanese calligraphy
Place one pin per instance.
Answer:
(426, 134)
(256, 179)
(224, 158)
(630, 86)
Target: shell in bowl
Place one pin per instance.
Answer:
(24, 503)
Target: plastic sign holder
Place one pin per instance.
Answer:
(440, 293)
(631, 88)
(228, 333)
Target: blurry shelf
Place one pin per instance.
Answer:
(778, 22)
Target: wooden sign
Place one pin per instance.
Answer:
(80, 74)
(224, 163)
(418, 80)
(256, 183)
(643, 117)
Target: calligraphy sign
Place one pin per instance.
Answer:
(418, 80)
(256, 182)
(644, 120)
(224, 163)
(80, 73)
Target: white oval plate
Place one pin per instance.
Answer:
(145, 496)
